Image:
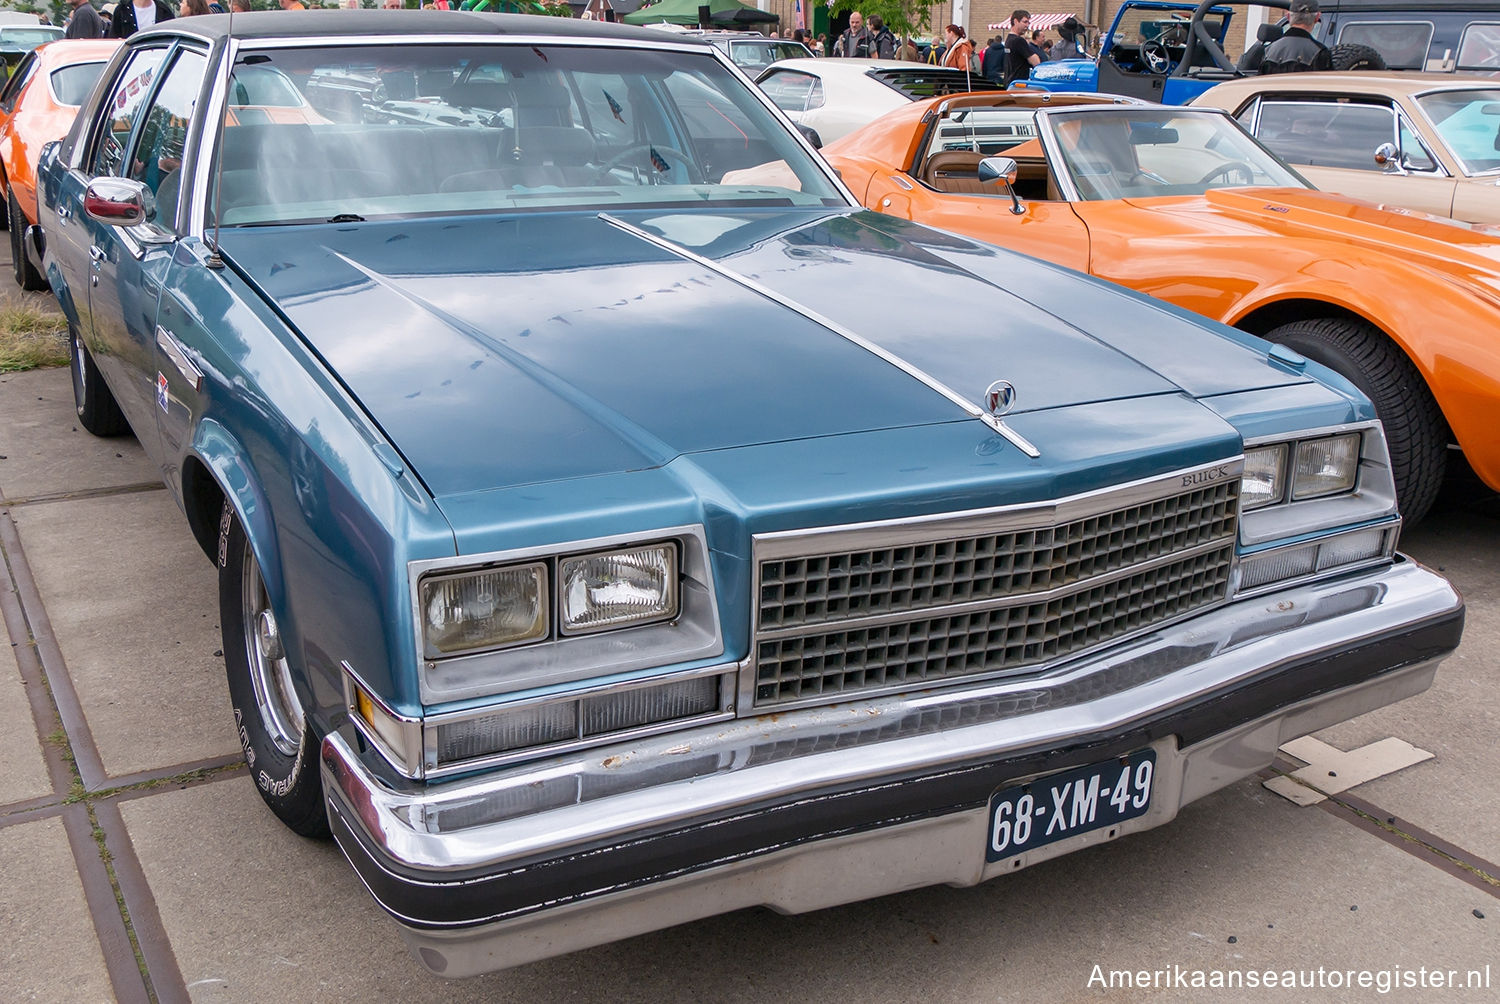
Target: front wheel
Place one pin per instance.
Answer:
(1415, 431)
(278, 741)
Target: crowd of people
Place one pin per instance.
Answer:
(126, 17)
(1004, 58)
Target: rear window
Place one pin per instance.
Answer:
(71, 84)
(1402, 44)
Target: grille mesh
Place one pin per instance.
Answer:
(810, 596)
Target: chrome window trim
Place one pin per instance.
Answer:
(218, 95)
(1404, 121)
(1324, 101)
(1373, 496)
(814, 542)
(695, 633)
(726, 672)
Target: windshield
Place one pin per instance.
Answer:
(358, 132)
(1469, 123)
(1144, 152)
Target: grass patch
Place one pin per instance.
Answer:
(31, 339)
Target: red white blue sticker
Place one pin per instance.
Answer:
(161, 390)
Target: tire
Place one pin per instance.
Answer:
(280, 746)
(27, 277)
(1351, 56)
(96, 407)
(1415, 431)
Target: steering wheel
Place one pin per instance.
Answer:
(694, 175)
(1158, 58)
(1228, 168)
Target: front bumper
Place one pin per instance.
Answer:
(807, 809)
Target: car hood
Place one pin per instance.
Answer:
(511, 351)
(1299, 212)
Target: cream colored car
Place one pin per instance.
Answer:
(1423, 141)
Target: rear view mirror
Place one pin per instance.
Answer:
(1142, 134)
(811, 135)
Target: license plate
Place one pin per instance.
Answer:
(1064, 805)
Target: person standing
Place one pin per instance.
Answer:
(1066, 46)
(137, 15)
(1296, 50)
(856, 42)
(884, 46)
(993, 61)
(1039, 44)
(1019, 59)
(84, 22)
(960, 49)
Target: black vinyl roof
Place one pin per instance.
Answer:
(413, 23)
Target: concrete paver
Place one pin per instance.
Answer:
(46, 451)
(25, 774)
(49, 952)
(131, 601)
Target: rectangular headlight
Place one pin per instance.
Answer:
(1325, 466)
(618, 588)
(491, 608)
(1264, 478)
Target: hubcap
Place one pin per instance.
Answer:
(275, 697)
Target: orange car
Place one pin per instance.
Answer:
(37, 105)
(1182, 204)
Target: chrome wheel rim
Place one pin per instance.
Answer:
(275, 697)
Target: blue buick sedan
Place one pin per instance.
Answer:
(616, 525)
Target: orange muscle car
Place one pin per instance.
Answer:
(37, 105)
(1182, 204)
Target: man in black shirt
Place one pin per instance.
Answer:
(1019, 59)
(1296, 50)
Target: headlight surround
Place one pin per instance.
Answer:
(1325, 466)
(611, 589)
(1264, 480)
(484, 609)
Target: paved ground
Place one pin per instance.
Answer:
(139, 862)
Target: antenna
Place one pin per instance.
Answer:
(215, 260)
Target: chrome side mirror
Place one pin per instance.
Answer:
(1002, 169)
(119, 202)
(1387, 157)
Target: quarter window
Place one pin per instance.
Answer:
(124, 102)
(1479, 49)
(793, 92)
(1326, 133)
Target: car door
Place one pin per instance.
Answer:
(1332, 143)
(129, 263)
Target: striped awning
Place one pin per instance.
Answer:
(1039, 22)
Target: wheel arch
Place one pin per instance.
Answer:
(215, 472)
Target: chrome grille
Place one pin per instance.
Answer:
(923, 611)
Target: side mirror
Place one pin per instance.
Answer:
(119, 202)
(1387, 157)
(1002, 169)
(811, 135)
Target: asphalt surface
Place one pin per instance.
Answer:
(139, 862)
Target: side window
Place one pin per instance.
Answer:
(17, 81)
(1326, 133)
(1403, 44)
(122, 107)
(1480, 47)
(790, 91)
(156, 158)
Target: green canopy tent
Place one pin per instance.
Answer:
(722, 13)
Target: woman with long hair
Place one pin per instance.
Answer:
(959, 48)
(188, 8)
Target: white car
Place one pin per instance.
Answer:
(834, 97)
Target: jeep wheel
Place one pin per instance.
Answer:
(1415, 430)
(1351, 56)
(279, 744)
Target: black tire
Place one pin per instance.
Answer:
(97, 410)
(1351, 56)
(27, 277)
(280, 746)
(5, 216)
(1415, 430)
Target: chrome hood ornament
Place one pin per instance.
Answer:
(1000, 398)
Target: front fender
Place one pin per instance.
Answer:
(229, 463)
